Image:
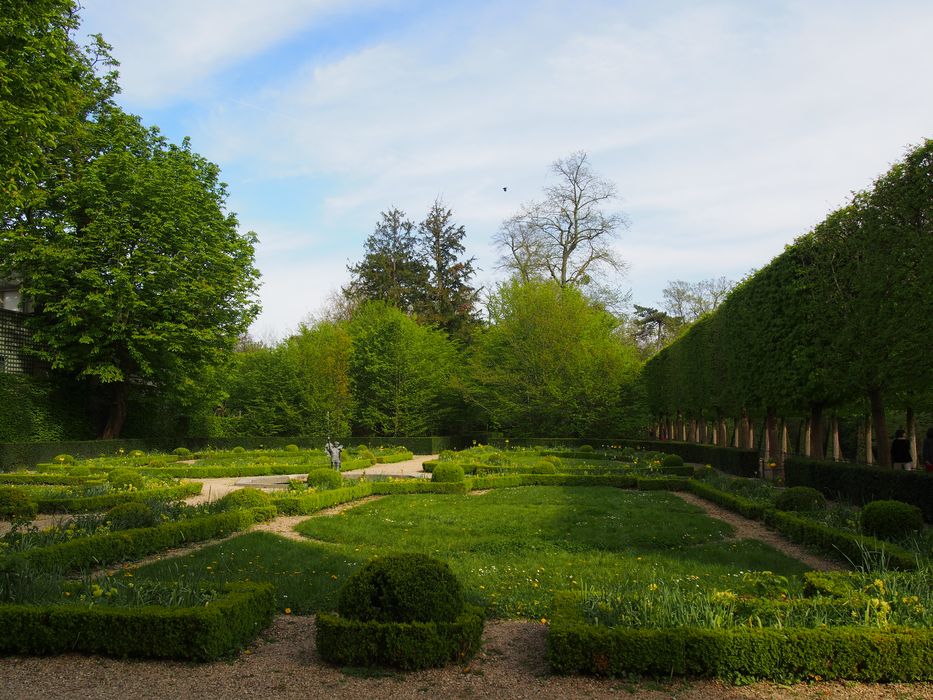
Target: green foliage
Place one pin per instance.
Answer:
(63, 459)
(551, 363)
(202, 633)
(137, 453)
(402, 588)
(46, 411)
(801, 498)
(129, 515)
(80, 472)
(238, 450)
(447, 473)
(324, 479)
(291, 448)
(585, 448)
(125, 479)
(15, 505)
(672, 461)
(543, 467)
(88, 504)
(891, 520)
(182, 452)
(405, 645)
(244, 498)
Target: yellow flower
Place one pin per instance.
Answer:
(288, 611)
(652, 587)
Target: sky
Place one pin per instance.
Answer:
(728, 128)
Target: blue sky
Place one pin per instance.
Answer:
(729, 128)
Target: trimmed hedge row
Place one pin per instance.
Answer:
(394, 457)
(738, 655)
(860, 483)
(842, 545)
(194, 471)
(47, 479)
(311, 502)
(88, 504)
(202, 633)
(405, 645)
(102, 550)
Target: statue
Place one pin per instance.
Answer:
(333, 451)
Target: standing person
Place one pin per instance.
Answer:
(900, 451)
(927, 452)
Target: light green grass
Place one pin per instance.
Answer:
(511, 548)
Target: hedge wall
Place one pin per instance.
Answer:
(88, 504)
(202, 633)
(860, 484)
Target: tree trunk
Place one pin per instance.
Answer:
(816, 431)
(770, 436)
(912, 436)
(869, 438)
(116, 414)
(837, 448)
(881, 427)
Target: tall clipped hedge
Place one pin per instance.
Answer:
(839, 321)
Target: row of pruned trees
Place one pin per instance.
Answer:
(838, 324)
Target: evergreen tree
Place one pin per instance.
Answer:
(449, 300)
(391, 270)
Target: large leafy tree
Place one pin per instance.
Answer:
(392, 270)
(450, 300)
(136, 272)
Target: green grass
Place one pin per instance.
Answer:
(512, 548)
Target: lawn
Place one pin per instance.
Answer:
(511, 548)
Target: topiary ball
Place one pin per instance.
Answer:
(244, 498)
(324, 479)
(137, 453)
(181, 452)
(129, 515)
(447, 473)
(585, 448)
(891, 520)
(125, 479)
(543, 467)
(238, 450)
(63, 459)
(402, 588)
(291, 448)
(81, 472)
(800, 498)
(672, 461)
(15, 505)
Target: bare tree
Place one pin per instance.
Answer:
(567, 236)
(686, 301)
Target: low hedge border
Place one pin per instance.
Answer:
(312, 502)
(845, 546)
(202, 633)
(404, 645)
(48, 479)
(861, 483)
(394, 457)
(88, 504)
(737, 655)
(125, 545)
(194, 471)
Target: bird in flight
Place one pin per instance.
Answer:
(505, 189)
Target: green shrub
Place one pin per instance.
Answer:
(291, 448)
(125, 479)
(244, 498)
(80, 471)
(672, 461)
(585, 448)
(323, 479)
(800, 498)
(63, 459)
(402, 588)
(137, 453)
(126, 516)
(182, 452)
(891, 520)
(447, 473)
(543, 467)
(15, 505)
(429, 465)
(553, 459)
(238, 450)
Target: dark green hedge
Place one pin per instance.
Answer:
(622, 481)
(737, 655)
(88, 504)
(48, 479)
(311, 502)
(201, 633)
(846, 546)
(404, 645)
(860, 483)
(127, 545)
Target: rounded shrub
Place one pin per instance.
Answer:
(800, 498)
(16, 505)
(672, 461)
(291, 448)
(428, 465)
(63, 459)
(891, 520)
(497, 459)
(182, 452)
(129, 515)
(324, 479)
(137, 453)
(543, 467)
(244, 498)
(81, 471)
(125, 479)
(238, 450)
(402, 588)
(447, 472)
(585, 448)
